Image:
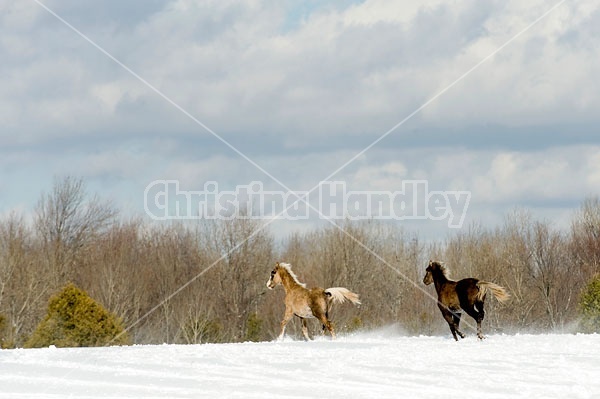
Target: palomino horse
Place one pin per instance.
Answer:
(305, 303)
(467, 294)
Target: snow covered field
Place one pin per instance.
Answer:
(376, 365)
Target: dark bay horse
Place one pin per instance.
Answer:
(467, 294)
(307, 303)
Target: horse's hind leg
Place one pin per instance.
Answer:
(305, 329)
(478, 314)
(323, 327)
(326, 324)
(479, 333)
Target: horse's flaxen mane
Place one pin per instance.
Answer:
(288, 268)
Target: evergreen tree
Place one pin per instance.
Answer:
(75, 319)
(590, 306)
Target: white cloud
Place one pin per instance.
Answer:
(540, 78)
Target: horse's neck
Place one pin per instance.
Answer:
(439, 280)
(288, 282)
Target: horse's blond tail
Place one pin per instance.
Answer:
(498, 291)
(341, 294)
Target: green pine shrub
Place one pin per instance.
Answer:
(75, 319)
(253, 328)
(6, 341)
(354, 324)
(590, 307)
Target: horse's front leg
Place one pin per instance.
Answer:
(449, 316)
(456, 319)
(286, 317)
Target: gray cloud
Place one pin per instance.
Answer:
(301, 92)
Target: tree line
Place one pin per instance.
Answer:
(205, 281)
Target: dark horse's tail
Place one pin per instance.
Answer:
(499, 292)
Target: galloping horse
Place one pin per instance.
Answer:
(467, 294)
(305, 303)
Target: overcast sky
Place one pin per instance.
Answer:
(300, 90)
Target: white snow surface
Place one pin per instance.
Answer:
(373, 365)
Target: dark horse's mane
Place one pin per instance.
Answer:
(443, 268)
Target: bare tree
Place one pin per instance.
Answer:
(585, 238)
(66, 219)
(13, 237)
(551, 272)
(238, 280)
(22, 283)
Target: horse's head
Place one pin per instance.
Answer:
(428, 279)
(275, 278)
